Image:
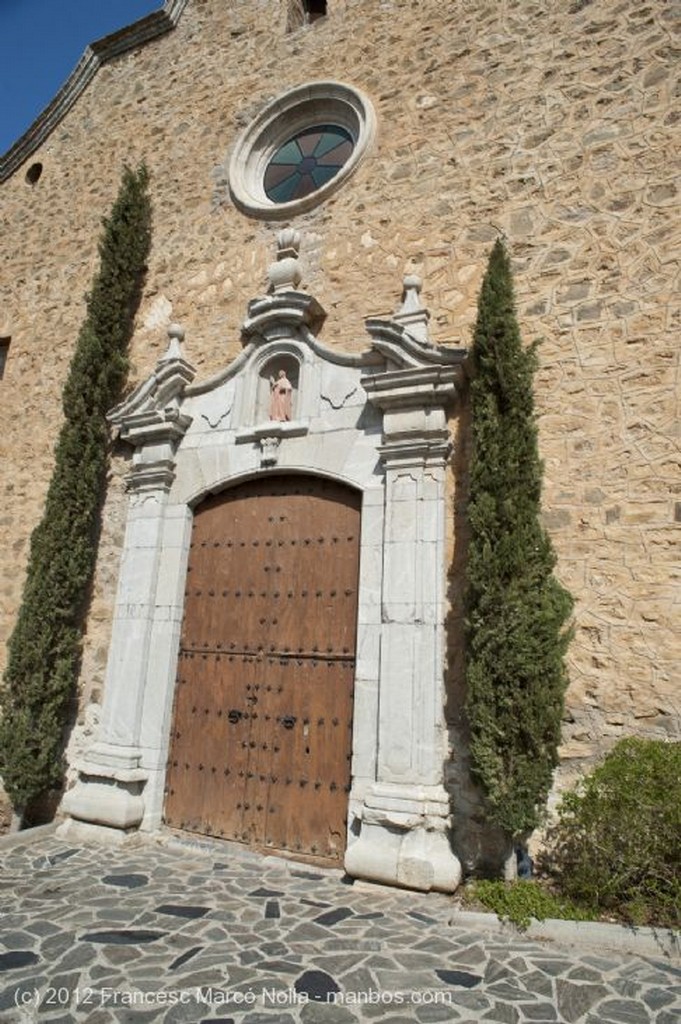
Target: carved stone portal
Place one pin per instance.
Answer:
(376, 422)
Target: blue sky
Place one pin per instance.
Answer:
(41, 41)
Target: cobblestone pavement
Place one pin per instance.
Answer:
(162, 931)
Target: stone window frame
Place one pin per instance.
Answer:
(323, 102)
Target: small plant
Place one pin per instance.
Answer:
(617, 843)
(519, 902)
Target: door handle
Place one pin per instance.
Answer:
(288, 721)
(233, 716)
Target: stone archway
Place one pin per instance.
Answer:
(375, 422)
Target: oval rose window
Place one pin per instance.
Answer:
(300, 148)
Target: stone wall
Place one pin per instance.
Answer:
(552, 122)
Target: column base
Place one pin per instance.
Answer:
(85, 832)
(109, 790)
(404, 840)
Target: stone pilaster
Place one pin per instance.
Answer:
(110, 789)
(405, 817)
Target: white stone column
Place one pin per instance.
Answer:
(404, 836)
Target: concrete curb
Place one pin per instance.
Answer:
(654, 942)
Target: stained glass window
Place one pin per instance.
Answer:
(307, 161)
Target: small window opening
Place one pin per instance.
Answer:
(304, 12)
(33, 173)
(314, 9)
(4, 352)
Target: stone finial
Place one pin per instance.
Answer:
(411, 314)
(284, 275)
(175, 339)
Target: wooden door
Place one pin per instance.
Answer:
(261, 739)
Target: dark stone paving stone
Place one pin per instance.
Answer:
(317, 985)
(538, 1011)
(657, 998)
(418, 916)
(496, 972)
(318, 1013)
(574, 1000)
(507, 990)
(260, 1017)
(584, 974)
(503, 1014)
(249, 956)
(18, 939)
(56, 945)
(120, 955)
(626, 988)
(334, 916)
(279, 966)
(216, 934)
(267, 892)
(128, 1016)
(125, 937)
(623, 1011)
(668, 1017)
(217, 1020)
(436, 1012)
(54, 858)
(184, 957)
(9, 997)
(552, 967)
(351, 945)
(182, 910)
(472, 956)
(275, 948)
(309, 875)
(666, 967)
(126, 881)
(17, 958)
(371, 917)
(601, 963)
(99, 972)
(272, 910)
(460, 978)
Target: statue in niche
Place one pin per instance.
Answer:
(281, 398)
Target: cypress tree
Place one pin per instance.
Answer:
(516, 610)
(39, 686)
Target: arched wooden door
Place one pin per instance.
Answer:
(261, 739)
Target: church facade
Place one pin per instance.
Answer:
(273, 652)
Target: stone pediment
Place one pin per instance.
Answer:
(401, 369)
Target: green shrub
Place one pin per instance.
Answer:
(519, 902)
(617, 844)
